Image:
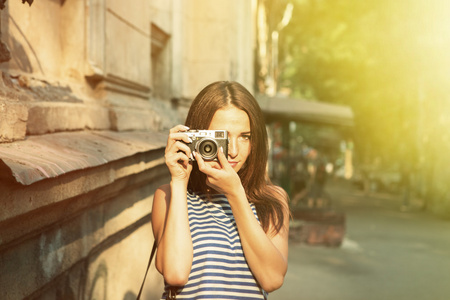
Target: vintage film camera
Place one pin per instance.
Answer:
(207, 143)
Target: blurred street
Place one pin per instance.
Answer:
(386, 254)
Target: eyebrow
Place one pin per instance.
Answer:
(243, 133)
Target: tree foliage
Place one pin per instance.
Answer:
(371, 55)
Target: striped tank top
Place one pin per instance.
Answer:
(219, 268)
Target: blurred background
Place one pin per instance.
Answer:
(387, 61)
(355, 95)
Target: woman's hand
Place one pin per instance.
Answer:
(220, 176)
(177, 154)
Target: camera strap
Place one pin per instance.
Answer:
(148, 267)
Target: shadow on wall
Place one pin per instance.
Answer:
(99, 286)
(97, 291)
(19, 55)
(65, 292)
(129, 296)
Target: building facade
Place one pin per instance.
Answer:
(88, 91)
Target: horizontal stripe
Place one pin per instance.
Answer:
(213, 239)
(207, 278)
(219, 268)
(222, 288)
(218, 245)
(208, 225)
(211, 259)
(199, 234)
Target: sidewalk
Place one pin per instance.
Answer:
(386, 254)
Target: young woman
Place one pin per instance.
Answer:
(221, 226)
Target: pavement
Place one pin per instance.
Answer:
(388, 252)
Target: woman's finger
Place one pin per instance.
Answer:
(200, 162)
(178, 147)
(178, 128)
(223, 160)
(178, 142)
(210, 169)
(202, 166)
(176, 159)
(178, 136)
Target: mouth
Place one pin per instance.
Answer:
(233, 163)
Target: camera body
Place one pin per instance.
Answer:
(207, 143)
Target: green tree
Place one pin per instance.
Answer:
(365, 54)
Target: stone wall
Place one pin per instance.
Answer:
(83, 234)
(86, 98)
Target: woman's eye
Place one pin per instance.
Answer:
(246, 137)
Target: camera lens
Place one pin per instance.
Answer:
(207, 148)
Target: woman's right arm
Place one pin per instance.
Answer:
(169, 214)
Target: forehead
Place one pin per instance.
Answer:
(230, 118)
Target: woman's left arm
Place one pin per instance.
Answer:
(266, 254)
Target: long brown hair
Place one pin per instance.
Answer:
(255, 181)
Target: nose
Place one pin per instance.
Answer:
(233, 148)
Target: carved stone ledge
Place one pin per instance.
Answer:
(52, 155)
(115, 84)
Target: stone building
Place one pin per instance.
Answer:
(88, 90)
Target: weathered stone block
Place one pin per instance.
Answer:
(48, 117)
(13, 121)
(124, 119)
